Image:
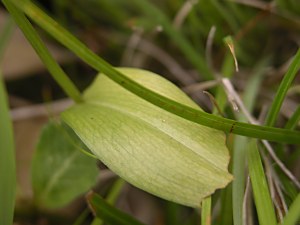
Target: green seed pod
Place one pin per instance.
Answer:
(157, 151)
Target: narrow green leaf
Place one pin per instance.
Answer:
(153, 149)
(239, 150)
(262, 198)
(108, 213)
(189, 113)
(293, 215)
(282, 90)
(7, 146)
(7, 161)
(111, 197)
(60, 171)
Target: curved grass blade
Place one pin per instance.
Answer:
(293, 215)
(108, 213)
(282, 90)
(194, 115)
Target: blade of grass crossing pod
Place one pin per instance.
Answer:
(7, 161)
(206, 211)
(293, 215)
(194, 115)
(282, 90)
(262, 197)
(56, 71)
(108, 213)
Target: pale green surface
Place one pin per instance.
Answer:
(154, 150)
(60, 171)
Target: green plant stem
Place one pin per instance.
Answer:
(7, 146)
(7, 161)
(282, 90)
(56, 71)
(115, 191)
(194, 115)
(206, 211)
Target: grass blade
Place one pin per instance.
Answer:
(239, 153)
(293, 215)
(194, 115)
(262, 198)
(56, 71)
(282, 90)
(7, 161)
(7, 146)
(108, 213)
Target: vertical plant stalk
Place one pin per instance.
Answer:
(7, 161)
(206, 211)
(7, 146)
(282, 90)
(239, 153)
(53, 67)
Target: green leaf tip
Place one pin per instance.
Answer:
(153, 149)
